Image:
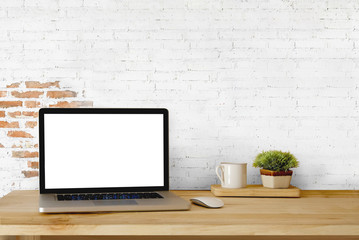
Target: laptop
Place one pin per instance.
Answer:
(97, 159)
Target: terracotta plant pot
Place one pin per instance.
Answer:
(273, 179)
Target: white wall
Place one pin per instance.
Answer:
(238, 76)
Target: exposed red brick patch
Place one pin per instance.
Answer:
(28, 94)
(24, 154)
(3, 93)
(13, 85)
(19, 134)
(7, 104)
(61, 94)
(34, 165)
(74, 104)
(14, 114)
(5, 124)
(25, 103)
(31, 124)
(26, 114)
(32, 104)
(30, 114)
(29, 174)
(36, 84)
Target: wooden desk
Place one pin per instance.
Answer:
(317, 215)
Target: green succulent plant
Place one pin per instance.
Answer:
(275, 161)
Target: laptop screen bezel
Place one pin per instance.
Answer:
(42, 173)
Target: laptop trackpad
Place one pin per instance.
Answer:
(115, 202)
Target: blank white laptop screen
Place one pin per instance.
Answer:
(103, 150)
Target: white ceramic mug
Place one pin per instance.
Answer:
(233, 175)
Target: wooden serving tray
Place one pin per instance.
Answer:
(255, 191)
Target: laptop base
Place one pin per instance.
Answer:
(49, 204)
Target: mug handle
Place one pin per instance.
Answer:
(219, 176)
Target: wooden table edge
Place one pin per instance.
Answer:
(181, 230)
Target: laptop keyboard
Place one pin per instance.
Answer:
(107, 196)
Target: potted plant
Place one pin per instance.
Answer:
(275, 167)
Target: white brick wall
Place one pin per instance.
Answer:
(238, 76)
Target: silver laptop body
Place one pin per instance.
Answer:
(105, 160)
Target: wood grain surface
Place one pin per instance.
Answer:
(255, 191)
(316, 213)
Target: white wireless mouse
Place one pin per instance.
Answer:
(209, 202)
